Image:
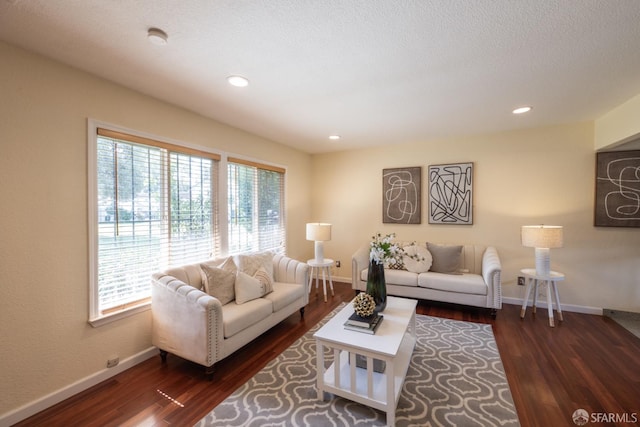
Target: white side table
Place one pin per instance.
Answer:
(325, 267)
(533, 279)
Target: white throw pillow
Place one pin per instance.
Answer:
(248, 288)
(416, 258)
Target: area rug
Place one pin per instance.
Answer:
(455, 378)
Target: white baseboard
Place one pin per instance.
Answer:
(542, 303)
(58, 396)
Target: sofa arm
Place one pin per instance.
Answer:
(186, 321)
(491, 272)
(359, 262)
(289, 270)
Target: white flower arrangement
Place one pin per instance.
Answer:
(383, 250)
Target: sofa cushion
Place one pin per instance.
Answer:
(247, 288)
(462, 283)
(396, 277)
(416, 258)
(238, 317)
(446, 258)
(284, 294)
(219, 282)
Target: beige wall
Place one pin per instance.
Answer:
(520, 178)
(46, 342)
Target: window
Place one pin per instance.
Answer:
(255, 206)
(155, 206)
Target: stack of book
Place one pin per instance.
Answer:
(368, 325)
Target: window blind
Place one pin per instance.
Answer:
(256, 206)
(157, 207)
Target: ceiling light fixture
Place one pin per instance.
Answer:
(522, 110)
(157, 36)
(334, 137)
(238, 81)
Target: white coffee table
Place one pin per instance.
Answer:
(393, 343)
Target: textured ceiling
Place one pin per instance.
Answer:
(373, 71)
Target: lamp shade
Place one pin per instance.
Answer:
(318, 231)
(542, 236)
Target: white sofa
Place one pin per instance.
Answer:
(196, 326)
(475, 281)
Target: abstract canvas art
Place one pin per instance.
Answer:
(451, 194)
(618, 189)
(401, 195)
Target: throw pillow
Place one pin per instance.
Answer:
(247, 288)
(399, 264)
(250, 263)
(416, 258)
(265, 279)
(446, 258)
(219, 282)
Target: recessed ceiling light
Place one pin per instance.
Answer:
(238, 81)
(157, 36)
(522, 110)
(334, 137)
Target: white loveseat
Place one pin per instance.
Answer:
(471, 278)
(192, 324)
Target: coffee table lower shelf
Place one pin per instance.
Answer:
(365, 386)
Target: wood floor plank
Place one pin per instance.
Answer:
(587, 362)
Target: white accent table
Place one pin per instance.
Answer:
(534, 279)
(317, 267)
(393, 343)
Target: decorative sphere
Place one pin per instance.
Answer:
(363, 304)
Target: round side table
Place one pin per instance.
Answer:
(325, 267)
(534, 279)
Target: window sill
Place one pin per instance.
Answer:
(98, 321)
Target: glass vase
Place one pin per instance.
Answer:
(376, 285)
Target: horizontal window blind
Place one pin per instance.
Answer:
(156, 206)
(192, 230)
(120, 136)
(256, 206)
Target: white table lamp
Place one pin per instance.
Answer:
(542, 238)
(319, 232)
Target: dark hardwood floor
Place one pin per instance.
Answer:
(587, 362)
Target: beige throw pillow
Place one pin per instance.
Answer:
(219, 282)
(446, 258)
(247, 288)
(416, 258)
(267, 282)
(250, 263)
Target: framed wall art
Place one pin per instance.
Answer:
(617, 189)
(451, 194)
(401, 195)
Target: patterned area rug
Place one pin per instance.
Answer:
(455, 378)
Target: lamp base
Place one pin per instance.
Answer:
(319, 251)
(543, 262)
